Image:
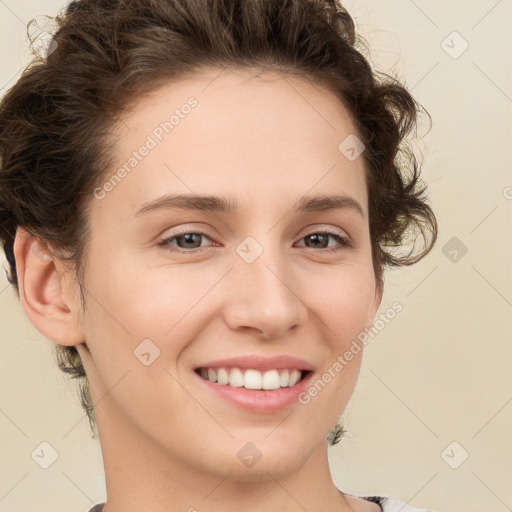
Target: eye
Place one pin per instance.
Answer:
(186, 241)
(320, 240)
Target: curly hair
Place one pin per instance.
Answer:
(56, 119)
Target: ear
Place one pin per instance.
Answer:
(47, 290)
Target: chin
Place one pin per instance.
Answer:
(265, 471)
(261, 459)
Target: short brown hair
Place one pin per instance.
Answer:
(55, 121)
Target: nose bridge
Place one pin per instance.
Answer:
(264, 297)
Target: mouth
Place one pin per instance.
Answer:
(252, 379)
(255, 382)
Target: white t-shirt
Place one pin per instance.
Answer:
(386, 504)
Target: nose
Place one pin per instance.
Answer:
(264, 297)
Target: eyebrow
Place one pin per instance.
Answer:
(230, 205)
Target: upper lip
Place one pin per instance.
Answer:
(259, 362)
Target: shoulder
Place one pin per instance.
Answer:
(97, 508)
(394, 505)
(388, 504)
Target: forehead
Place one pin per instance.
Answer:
(238, 134)
(241, 96)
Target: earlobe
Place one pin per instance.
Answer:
(44, 291)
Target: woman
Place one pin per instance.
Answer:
(198, 202)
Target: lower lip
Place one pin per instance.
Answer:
(259, 400)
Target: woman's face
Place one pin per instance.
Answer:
(260, 288)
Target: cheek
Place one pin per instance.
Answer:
(143, 302)
(343, 299)
(129, 312)
(138, 310)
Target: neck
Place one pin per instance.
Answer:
(143, 476)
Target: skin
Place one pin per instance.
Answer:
(168, 444)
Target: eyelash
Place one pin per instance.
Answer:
(342, 240)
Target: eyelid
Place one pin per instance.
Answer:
(177, 231)
(334, 230)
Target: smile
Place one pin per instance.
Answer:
(251, 378)
(258, 383)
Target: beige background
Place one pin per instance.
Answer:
(438, 373)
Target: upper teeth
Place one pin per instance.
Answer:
(252, 379)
